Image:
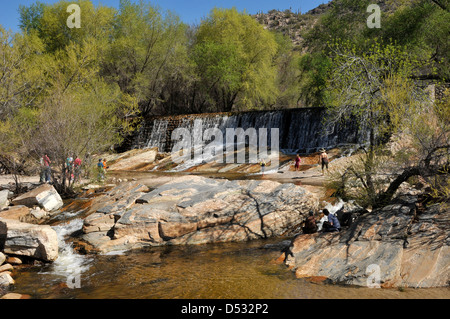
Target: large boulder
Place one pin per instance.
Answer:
(137, 159)
(196, 210)
(396, 246)
(35, 241)
(44, 196)
(6, 280)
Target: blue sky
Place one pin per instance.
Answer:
(190, 11)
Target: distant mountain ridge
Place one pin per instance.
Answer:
(296, 24)
(292, 24)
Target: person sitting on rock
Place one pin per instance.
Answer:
(332, 224)
(310, 224)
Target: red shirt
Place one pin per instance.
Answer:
(46, 160)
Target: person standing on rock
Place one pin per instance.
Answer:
(323, 159)
(47, 170)
(77, 169)
(263, 166)
(100, 169)
(69, 167)
(332, 224)
(42, 172)
(297, 161)
(105, 166)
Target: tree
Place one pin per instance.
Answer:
(148, 51)
(375, 88)
(78, 113)
(286, 61)
(423, 27)
(21, 69)
(30, 17)
(50, 23)
(314, 70)
(234, 58)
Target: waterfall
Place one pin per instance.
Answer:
(300, 130)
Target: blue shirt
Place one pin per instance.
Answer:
(333, 219)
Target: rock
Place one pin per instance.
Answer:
(6, 267)
(13, 260)
(98, 222)
(13, 295)
(2, 258)
(377, 242)
(6, 280)
(4, 199)
(137, 159)
(278, 246)
(38, 213)
(195, 210)
(91, 186)
(24, 214)
(36, 241)
(20, 213)
(44, 196)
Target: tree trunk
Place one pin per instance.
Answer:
(385, 197)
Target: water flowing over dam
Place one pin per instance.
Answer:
(300, 130)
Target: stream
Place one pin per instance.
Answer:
(245, 270)
(213, 271)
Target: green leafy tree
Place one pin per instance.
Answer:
(149, 50)
(286, 60)
(50, 22)
(234, 58)
(374, 88)
(21, 68)
(314, 73)
(423, 27)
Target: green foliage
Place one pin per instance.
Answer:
(51, 23)
(30, 17)
(315, 69)
(346, 19)
(21, 67)
(422, 27)
(373, 85)
(148, 51)
(234, 54)
(286, 61)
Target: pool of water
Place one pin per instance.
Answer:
(214, 271)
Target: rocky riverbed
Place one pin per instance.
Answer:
(401, 245)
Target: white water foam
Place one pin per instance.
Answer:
(68, 263)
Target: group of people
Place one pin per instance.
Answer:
(323, 160)
(101, 169)
(331, 224)
(72, 169)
